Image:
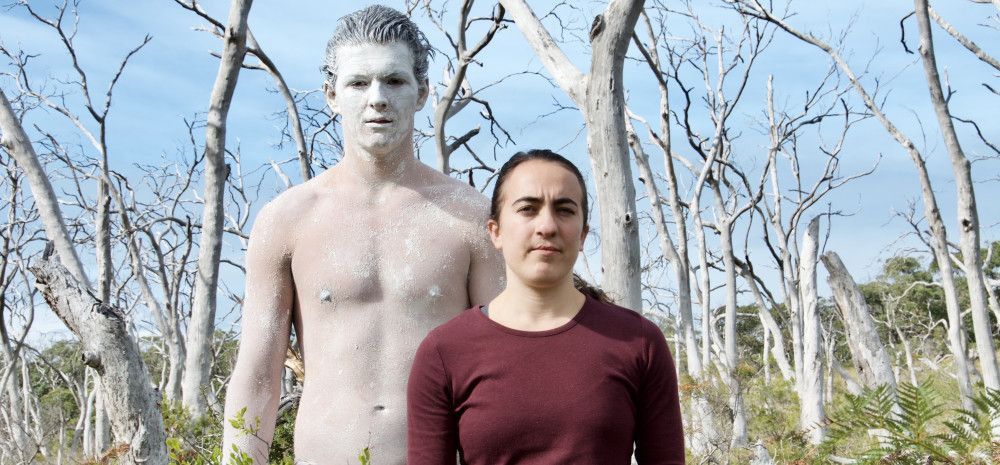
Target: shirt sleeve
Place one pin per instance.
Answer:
(431, 429)
(659, 433)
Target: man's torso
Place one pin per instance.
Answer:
(372, 277)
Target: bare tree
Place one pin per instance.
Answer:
(968, 215)
(676, 252)
(931, 211)
(600, 96)
(296, 132)
(133, 405)
(202, 325)
(811, 385)
(458, 91)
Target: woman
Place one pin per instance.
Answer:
(543, 374)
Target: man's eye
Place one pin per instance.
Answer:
(357, 84)
(396, 81)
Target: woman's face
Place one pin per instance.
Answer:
(540, 228)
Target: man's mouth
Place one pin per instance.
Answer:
(378, 121)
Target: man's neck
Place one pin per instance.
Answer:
(377, 170)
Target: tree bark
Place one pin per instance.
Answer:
(812, 416)
(601, 97)
(102, 427)
(198, 361)
(968, 215)
(869, 355)
(132, 403)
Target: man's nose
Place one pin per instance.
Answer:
(377, 95)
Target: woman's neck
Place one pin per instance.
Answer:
(529, 308)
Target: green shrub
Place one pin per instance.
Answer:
(914, 428)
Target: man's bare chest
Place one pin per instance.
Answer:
(367, 258)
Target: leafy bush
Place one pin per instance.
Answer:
(915, 428)
(199, 441)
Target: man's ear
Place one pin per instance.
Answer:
(493, 228)
(331, 97)
(423, 89)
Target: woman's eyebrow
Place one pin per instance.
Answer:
(528, 199)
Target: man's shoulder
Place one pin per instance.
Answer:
(282, 214)
(294, 199)
(454, 193)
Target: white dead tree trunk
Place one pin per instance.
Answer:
(968, 215)
(133, 405)
(267, 65)
(769, 324)
(197, 366)
(939, 244)
(727, 212)
(867, 351)
(601, 98)
(675, 252)
(699, 423)
(700, 427)
(812, 416)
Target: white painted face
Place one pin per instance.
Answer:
(376, 96)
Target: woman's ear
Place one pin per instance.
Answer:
(494, 229)
(583, 236)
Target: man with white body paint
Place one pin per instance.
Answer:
(364, 259)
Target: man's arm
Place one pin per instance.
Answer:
(267, 309)
(486, 269)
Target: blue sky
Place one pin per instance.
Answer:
(172, 77)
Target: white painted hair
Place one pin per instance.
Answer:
(378, 24)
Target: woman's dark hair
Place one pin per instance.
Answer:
(593, 291)
(536, 154)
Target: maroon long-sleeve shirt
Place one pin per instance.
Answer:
(582, 393)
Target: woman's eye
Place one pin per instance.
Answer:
(567, 211)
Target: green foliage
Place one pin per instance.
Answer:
(365, 457)
(773, 411)
(198, 441)
(913, 428)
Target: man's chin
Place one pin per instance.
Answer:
(382, 146)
